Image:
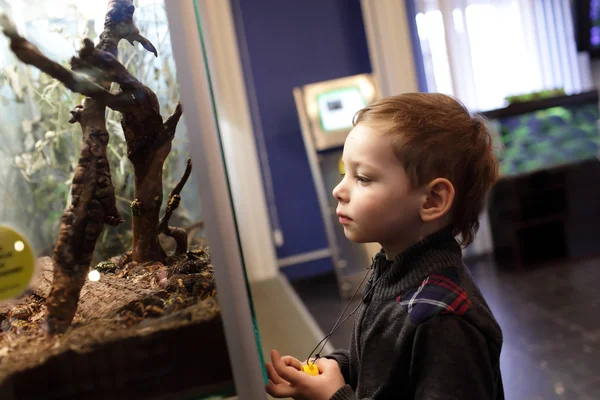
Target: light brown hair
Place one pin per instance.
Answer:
(437, 137)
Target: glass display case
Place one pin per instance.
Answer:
(538, 210)
(121, 273)
(547, 133)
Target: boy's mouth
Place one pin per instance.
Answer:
(343, 218)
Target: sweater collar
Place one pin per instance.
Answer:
(429, 256)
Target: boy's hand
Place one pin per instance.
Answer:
(286, 379)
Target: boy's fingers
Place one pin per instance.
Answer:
(290, 374)
(280, 390)
(326, 364)
(292, 362)
(273, 376)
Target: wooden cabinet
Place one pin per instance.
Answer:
(550, 214)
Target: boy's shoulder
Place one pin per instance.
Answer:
(438, 294)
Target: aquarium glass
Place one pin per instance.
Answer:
(548, 137)
(147, 322)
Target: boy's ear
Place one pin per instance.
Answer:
(439, 197)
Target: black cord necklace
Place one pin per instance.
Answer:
(338, 323)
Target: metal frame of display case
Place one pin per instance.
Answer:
(215, 198)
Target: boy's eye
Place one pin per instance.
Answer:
(362, 179)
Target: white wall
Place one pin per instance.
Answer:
(390, 46)
(237, 137)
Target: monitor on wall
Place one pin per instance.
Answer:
(338, 106)
(330, 106)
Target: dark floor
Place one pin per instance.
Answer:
(550, 317)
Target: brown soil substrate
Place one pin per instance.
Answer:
(143, 331)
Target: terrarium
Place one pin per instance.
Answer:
(107, 280)
(549, 137)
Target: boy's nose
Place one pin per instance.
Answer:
(339, 192)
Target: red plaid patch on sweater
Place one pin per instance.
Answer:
(437, 294)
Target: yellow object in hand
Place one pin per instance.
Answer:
(311, 369)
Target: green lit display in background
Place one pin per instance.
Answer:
(549, 137)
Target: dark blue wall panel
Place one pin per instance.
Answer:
(284, 44)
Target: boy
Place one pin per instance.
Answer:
(418, 168)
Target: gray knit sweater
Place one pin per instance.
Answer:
(423, 332)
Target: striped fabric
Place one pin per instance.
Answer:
(437, 294)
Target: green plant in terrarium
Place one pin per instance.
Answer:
(549, 137)
(543, 94)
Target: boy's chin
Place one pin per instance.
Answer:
(356, 238)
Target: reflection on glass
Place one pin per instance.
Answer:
(19, 245)
(95, 173)
(94, 275)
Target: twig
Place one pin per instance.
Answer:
(170, 124)
(167, 134)
(180, 235)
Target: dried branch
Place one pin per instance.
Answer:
(165, 135)
(93, 59)
(119, 25)
(170, 124)
(180, 235)
(30, 54)
(144, 42)
(76, 114)
(103, 190)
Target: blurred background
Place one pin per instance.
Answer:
(287, 76)
(530, 66)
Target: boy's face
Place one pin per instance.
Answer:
(375, 199)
